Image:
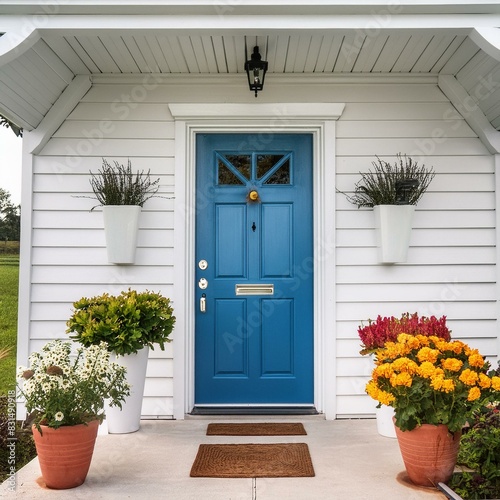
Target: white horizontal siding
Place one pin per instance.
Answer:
(69, 253)
(451, 267)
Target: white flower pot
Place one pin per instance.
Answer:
(385, 424)
(121, 223)
(128, 418)
(393, 231)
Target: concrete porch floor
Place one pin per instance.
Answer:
(351, 461)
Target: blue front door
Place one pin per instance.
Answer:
(254, 270)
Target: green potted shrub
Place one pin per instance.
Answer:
(130, 324)
(392, 190)
(121, 193)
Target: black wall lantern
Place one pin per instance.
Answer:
(256, 71)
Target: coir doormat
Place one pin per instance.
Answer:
(253, 460)
(257, 429)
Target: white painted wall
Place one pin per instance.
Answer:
(451, 266)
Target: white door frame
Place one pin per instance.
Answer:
(317, 119)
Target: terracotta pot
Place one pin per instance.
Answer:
(65, 454)
(429, 453)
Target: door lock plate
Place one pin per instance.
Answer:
(203, 283)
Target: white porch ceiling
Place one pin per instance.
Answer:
(35, 70)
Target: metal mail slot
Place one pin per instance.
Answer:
(255, 289)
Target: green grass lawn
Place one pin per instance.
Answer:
(9, 282)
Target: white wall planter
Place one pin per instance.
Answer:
(393, 225)
(128, 418)
(385, 424)
(121, 223)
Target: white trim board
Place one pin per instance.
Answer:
(315, 118)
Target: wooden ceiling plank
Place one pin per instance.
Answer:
(24, 88)
(324, 50)
(143, 45)
(96, 50)
(42, 75)
(82, 54)
(168, 53)
(390, 53)
(304, 44)
(54, 61)
(230, 53)
(313, 53)
(178, 54)
(239, 45)
(370, 53)
(199, 53)
(293, 45)
(133, 47)
(490, 95)
(208, 48)
(220, 54)
(432, 53)
(120, 54)
(333, 54)
(413, 50)
(188, 53)
(445, 56)
(159, 56)
(13, 101)
(349, 51)
(281, 54)
(460, 57)
(64, 50)
(478, 67)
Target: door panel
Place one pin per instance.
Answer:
(254, 341)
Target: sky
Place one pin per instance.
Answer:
(10, 164)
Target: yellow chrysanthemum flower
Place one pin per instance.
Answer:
(401, 379)
(469, 377)
(381, 396)
(424, 341)
(426, 369)
(437, 382)
(451, 364)
(448, 385)
(457, 347)
(385, 398)
(410, 341)
(404, 365)
(474, 393)
(495, 383)
(476, 360)
(484, 381)
(385, 370)
(428, 354)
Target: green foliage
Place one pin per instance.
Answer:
(6, 123)
(60, 390)
(118, 185)
(10, 218)
(9, 278)
(480, 451)
(127, 322)
(378, 187)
